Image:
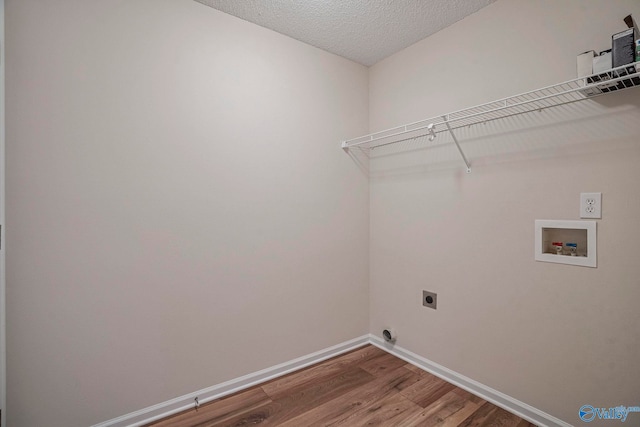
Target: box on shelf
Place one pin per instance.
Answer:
(631, 23)
(584, 66)
(585, 63)
(623, 47)
(601, 64)
(623, 53)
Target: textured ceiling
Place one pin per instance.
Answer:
(364, 31)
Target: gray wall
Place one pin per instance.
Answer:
(554, 336)
(179, 212)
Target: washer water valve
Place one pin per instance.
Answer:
(558, 246)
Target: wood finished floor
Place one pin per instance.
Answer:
(365, 387)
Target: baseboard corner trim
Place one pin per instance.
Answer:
(489, 394)
(179, 404)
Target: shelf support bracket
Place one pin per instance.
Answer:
(455, 140)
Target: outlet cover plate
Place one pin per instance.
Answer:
(590, 205)
(430, 299)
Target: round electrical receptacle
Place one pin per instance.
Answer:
(389, 335)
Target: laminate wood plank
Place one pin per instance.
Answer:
(455, 419)
(448, 411)
(489, 415)
(426, 391)
(337, 410)
(391, 411)
(262, 415)
(381, 364)
(327, 368)
(415, 369)
(470, 396)
(301, 399)
(480, 416)
(364, 387)
(217, 410)
(502, 418)
(409, 380)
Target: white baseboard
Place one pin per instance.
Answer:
(170, 407)
(508, 403)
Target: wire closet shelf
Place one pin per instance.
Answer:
(580, 89)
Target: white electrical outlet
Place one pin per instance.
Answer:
(590, 205)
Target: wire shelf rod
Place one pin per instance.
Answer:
(564, 93)
(455, 140)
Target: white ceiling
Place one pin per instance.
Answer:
(364, 31)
